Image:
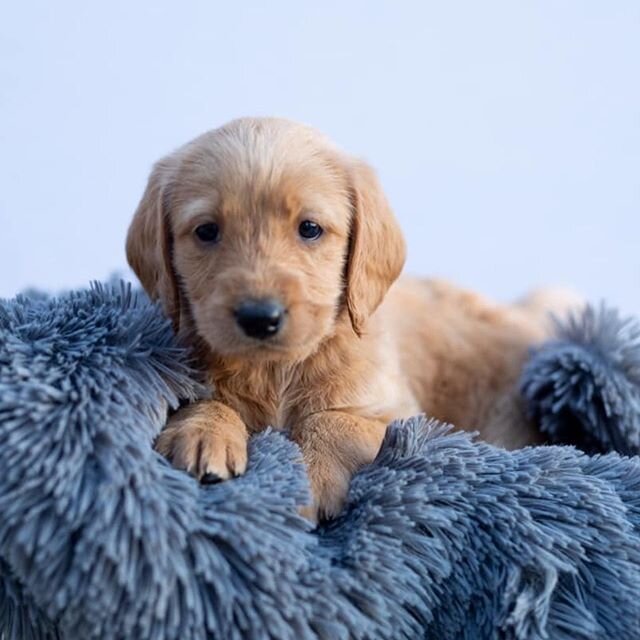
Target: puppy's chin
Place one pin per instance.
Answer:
(291, 347)
(261, 351)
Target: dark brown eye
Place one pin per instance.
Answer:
(209, 232)
(309, 230)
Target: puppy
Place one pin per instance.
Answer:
(276, 255)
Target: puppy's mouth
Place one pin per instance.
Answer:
(266, 329)
(254, 347)
(243, 347)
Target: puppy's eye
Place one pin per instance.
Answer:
(209, 232)
(309, 230)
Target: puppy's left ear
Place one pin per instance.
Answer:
(377, 249)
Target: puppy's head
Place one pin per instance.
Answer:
(261, 236)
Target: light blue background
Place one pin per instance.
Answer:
(507, 134)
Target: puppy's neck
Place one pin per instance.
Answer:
(257, 389)
(268, 392)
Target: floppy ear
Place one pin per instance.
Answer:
(150, 243)
(377, 249)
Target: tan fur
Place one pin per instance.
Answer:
(359, 348)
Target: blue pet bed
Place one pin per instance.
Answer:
(442, 536)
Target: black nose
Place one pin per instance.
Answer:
(260, 318)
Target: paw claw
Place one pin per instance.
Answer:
(210, 478)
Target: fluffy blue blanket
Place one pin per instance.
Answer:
(442, 537)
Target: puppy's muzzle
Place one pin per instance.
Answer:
(260, 319)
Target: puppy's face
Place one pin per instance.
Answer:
(255, 239)
(260, 237)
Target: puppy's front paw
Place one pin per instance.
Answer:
(329, 486)
(207, 439)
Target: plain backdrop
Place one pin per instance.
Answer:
(506, 134)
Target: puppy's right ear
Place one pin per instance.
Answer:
(150, 242)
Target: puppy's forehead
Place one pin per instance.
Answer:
(266, 163)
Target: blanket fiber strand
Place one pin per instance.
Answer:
(442, 536)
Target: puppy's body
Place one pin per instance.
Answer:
(353, 348)
(428, 348)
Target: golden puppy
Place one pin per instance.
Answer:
(275, 254)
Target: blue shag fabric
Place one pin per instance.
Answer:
(584, 387)
(442, 537)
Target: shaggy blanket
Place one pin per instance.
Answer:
(442, 536)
